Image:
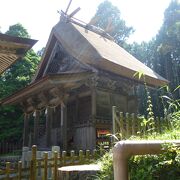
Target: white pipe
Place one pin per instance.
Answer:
(125, 149)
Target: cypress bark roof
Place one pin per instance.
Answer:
(98, 51)
(12, 48)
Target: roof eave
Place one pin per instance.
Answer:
(47, 82)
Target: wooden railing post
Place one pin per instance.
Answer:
(133, 124)
(138, 125)
(45, 165)
(101, 149)
(80, 156)
(8, 170)
(114, 120)
(168, 122)
(128, 133)
(122, 130)
(158, 124)
(72, 156)
(64, 157)
(19, 170)
(95, 153)
(161, 125)
(88, 155)
(55, 164)
(33, 163)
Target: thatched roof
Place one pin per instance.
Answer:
(12, 48)
(97, 51)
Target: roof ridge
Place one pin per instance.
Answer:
(90, 27)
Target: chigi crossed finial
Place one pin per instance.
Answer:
(65, 15)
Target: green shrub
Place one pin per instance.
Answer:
(164, 166)
(106, 164)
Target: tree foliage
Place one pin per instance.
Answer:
(13, 79)
(18, 30)
(168, 46)
(162, 54)
(108, 18)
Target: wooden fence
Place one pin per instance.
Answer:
(10, 147)
(126, 125)
(43, 168)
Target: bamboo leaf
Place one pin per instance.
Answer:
(178, 87)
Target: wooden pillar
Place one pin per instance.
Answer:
(92, 132)
(64, 125)
(77, 110)
(93, 104)
(26, 130)
(48, 126)
(36, 127)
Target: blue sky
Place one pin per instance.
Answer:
(39, 16)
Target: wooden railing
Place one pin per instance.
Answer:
(126, 125)
(45, 167)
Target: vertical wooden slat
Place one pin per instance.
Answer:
(80, 156)
(19, 170)
(168, 121)
(48, 126)
(64, 125)
(156, 125)
(72, 156)
(122, 125)
(26, 130)
(161, 124)
(88, 155)
(45, 165)
(55, 165)
(101, 149)
(138, 125)
(64, 158)
(33, 163)
(36, 127)
(95, 153)
(8, 164)
(93, 104)
(128, 133)
(114, 120)
(133, 124)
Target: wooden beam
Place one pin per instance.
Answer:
(31, 104)
(36, 127)
(93, 104)
(64, 125)
(77, 109)
(43, 100)
(26, 130)
(48, 126)
(57, 96)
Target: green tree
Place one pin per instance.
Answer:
(162, 54)
(108, 18)
(18, 30)
(20, 73)
(13, 79)
(168, 46)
